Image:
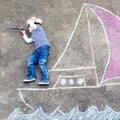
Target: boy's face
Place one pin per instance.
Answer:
(30, 29)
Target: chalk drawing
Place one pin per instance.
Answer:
(63, 82)
(68, 82)
(108, 21)
(91, 113)
(71, 82)
(69, 38)
(90, 44)
(106, 39)
(73, 69)
(80, 81)
(22, 98)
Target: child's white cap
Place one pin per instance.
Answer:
(35, 20)
(31, 23)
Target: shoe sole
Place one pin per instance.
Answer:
(43, 84)
(27, 81)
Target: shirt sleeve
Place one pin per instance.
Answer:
(27, 40)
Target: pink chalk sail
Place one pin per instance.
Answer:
(111, 24)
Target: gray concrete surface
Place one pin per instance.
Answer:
(59, 18)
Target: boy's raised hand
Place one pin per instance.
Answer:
(23, 32)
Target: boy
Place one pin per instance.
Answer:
(40, 53)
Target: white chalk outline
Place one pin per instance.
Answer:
(72, 69)
(110, 79)
(74, 76)
(64, 88)
(57, 88)
(69, 38)
(23, 100)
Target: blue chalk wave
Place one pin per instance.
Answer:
(91, 113)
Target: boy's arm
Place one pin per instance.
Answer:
(25, 37)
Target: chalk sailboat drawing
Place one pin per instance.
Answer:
(85, 75)
(111, 26)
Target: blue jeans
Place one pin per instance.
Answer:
(39, 56)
